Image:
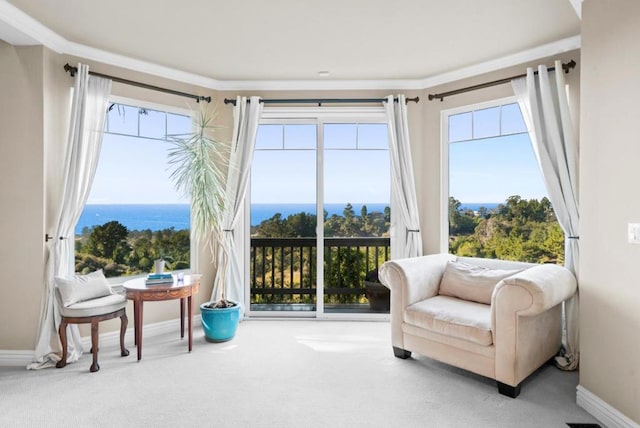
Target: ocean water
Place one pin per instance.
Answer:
(475, 206)
(135, 217)
(158, 217)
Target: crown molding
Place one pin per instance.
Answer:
(550, 49)
(577, 6)
(30, 28)
(34, 30)
(134, 64)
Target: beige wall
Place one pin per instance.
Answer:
(21, 194)
(610, 149)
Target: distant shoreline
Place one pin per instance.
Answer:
(164, 216)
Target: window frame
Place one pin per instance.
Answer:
(444, 158)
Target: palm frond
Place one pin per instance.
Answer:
(196, 164)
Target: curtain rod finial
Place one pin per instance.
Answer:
(70, 69)
(568, 66)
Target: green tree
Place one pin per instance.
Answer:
(460, 223)
(300, 225)
(519, 229)
(344, 269)
(272, 228)
(109, 240)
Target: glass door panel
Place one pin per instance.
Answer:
(283, 251)
(356, 200)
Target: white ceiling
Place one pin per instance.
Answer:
(280, 41)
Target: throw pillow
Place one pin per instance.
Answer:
(79, 288)
(469, 282)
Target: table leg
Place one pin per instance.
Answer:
(182, 318)
(190, 309)
(138, 328)
(135, 323)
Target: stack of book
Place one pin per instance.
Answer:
(159, 279)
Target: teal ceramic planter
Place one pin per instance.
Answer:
(219, 324)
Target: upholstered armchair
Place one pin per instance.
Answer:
(496, 318)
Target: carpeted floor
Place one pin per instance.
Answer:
(279, 374)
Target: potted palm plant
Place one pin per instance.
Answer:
(197, 161)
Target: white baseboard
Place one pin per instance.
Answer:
(602, 411)
(12, 358)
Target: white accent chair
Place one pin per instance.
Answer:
(447, 308)
(88, 299)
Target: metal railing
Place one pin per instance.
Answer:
(283, 270)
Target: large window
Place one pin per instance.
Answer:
(133, 215)
(497, 205)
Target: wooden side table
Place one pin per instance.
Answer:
(137, 291)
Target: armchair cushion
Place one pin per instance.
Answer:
(470, 282)
(453, 317)
(79, 288)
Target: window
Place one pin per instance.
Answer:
(496, 202)
(319, 213)
(133, 214)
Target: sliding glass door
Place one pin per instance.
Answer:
(320, 215)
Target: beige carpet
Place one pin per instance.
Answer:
(278, 374)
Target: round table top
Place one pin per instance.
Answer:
(139, 284)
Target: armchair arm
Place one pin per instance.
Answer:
(543, 286)
(526, 319)
(410, 280)
(415, 279)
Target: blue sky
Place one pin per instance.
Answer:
(493, 169)
(490, 156)
(134, 170)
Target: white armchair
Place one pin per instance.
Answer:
(496, 318)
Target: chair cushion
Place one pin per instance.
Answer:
(94, 307)
(453, 317)
(469, 282)
(78, 288)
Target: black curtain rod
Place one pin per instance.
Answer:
(566, 67)
(321, 101)
(73, 70)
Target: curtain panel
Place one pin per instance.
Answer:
(406, 240)
(88, 112)
(246, 118)
(545, 108)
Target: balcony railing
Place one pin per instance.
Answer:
(283, 270)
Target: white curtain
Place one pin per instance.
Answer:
(406, 240)
(544, 105)
(88, 111)
(246, 118)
